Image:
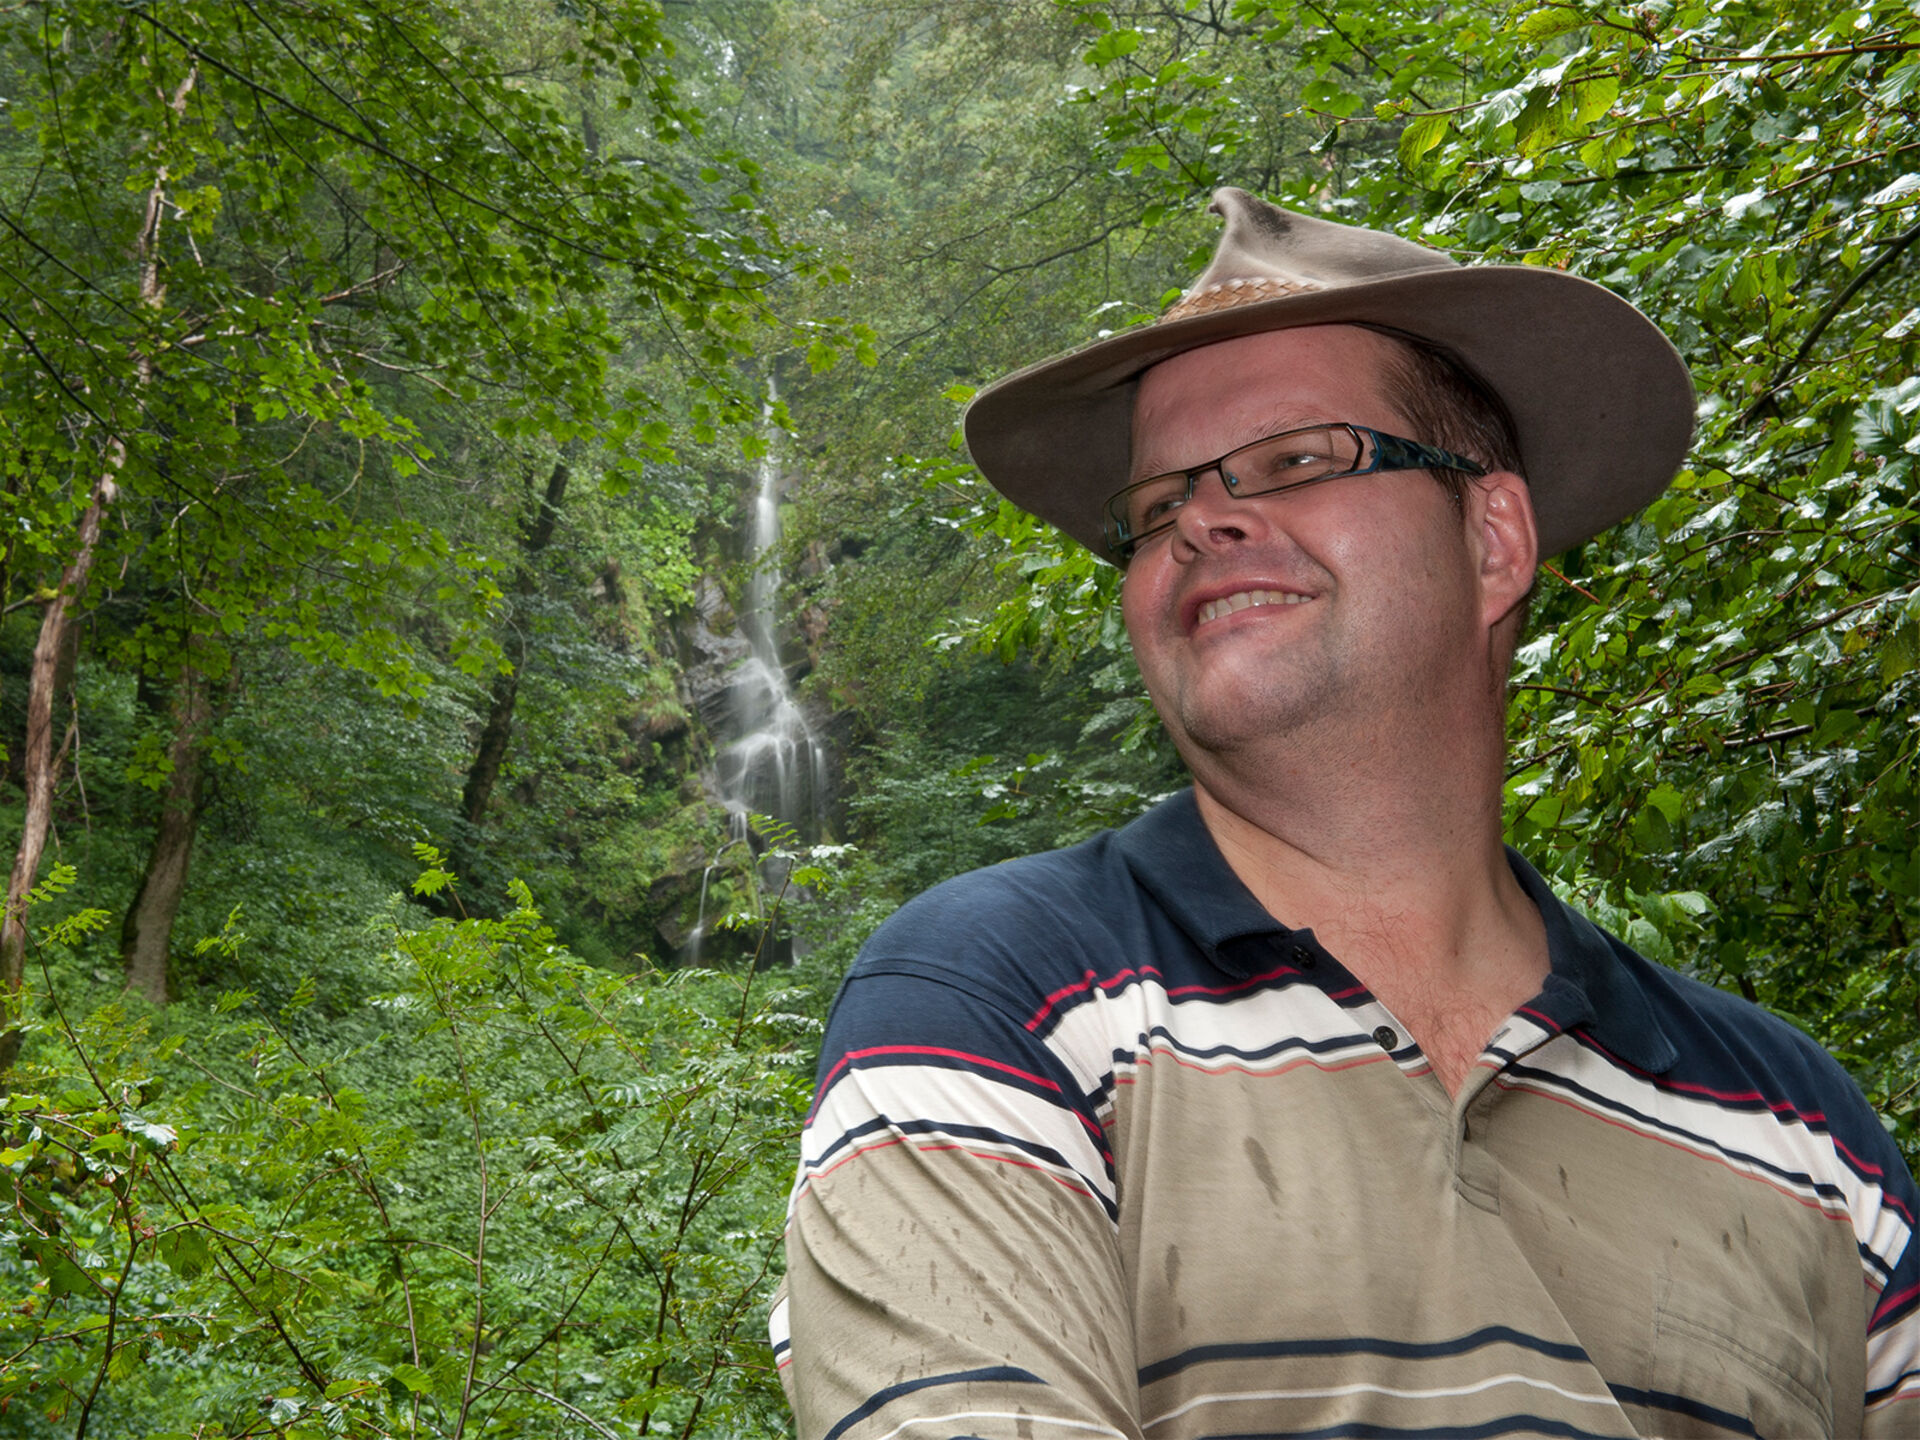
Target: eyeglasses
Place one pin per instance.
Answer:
(1286, 461)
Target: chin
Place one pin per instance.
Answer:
(1243, 727)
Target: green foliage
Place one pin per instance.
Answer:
(236, 235)
(518, 1195)
(994, 761)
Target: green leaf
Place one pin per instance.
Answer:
(1899, 653)
(1668, 801)
(1897, 192)
(1538, 26)
(63, 1276)
(1900, 86)
(413, 1377)
(59, 879)
(1594, 97)
(432, 882)
(152, 1136)
(1328, 98)
(1112, 46)
(1603, 153)
(1420, 136)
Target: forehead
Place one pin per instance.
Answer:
(1206, 401)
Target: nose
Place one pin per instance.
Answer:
(1213, 517)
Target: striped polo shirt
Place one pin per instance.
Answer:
(1101, 1148)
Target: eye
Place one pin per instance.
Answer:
(1153, 502)
(1292, 459)
(1161, 507)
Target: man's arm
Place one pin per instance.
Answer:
(953, 1266)
(1893, 1328)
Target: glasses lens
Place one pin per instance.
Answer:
(1149, 505)
(1298, 457)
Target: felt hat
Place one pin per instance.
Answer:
(1601, 402)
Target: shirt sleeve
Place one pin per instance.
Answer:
(1893, 1327)
(952, 1258)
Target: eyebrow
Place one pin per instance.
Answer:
(1289, 419)
(1278, 422)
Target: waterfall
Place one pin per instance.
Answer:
(770, 762)
(774, 765)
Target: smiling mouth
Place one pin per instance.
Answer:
(1246, 600)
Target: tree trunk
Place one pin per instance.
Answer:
(147, 933)
(39, 763)
(491, 753)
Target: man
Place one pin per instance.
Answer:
(1300, 1106)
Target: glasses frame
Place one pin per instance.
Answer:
(1390, 452)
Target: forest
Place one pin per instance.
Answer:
(494, 608)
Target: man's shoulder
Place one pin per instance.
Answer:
(1678, 1032)
(1734, 1052)
(1056, 904)
(963, 968)
(1702, 1019)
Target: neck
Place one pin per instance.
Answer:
(1391, 853)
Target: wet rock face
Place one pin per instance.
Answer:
(669, 897)
(712, 648)
(676, 901)
(743, 694)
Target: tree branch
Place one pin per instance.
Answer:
(1894, 249)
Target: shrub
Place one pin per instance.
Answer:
(514, 1195)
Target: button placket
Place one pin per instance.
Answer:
(1476, 1174)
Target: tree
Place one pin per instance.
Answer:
(147, 930)
(248, 247)
(535, 535)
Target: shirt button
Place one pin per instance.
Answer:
(1303, 957)
(1385, 1038)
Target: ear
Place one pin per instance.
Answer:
(1500, 519)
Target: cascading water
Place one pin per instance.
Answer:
(772, 763)
(774, 766)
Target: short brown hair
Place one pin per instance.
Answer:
(1447, 405)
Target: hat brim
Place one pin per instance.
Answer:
(1601, 402)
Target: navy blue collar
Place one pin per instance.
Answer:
(1590, 984)
(1174, 859)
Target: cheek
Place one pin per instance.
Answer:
(1138, 604)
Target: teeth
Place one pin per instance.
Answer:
(1246, 599)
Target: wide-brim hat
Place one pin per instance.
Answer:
(1601, 402)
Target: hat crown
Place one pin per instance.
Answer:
(1266, 252)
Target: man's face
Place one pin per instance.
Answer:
(1348, 603)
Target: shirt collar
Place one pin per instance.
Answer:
(1590, 984)
(1172, 856)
